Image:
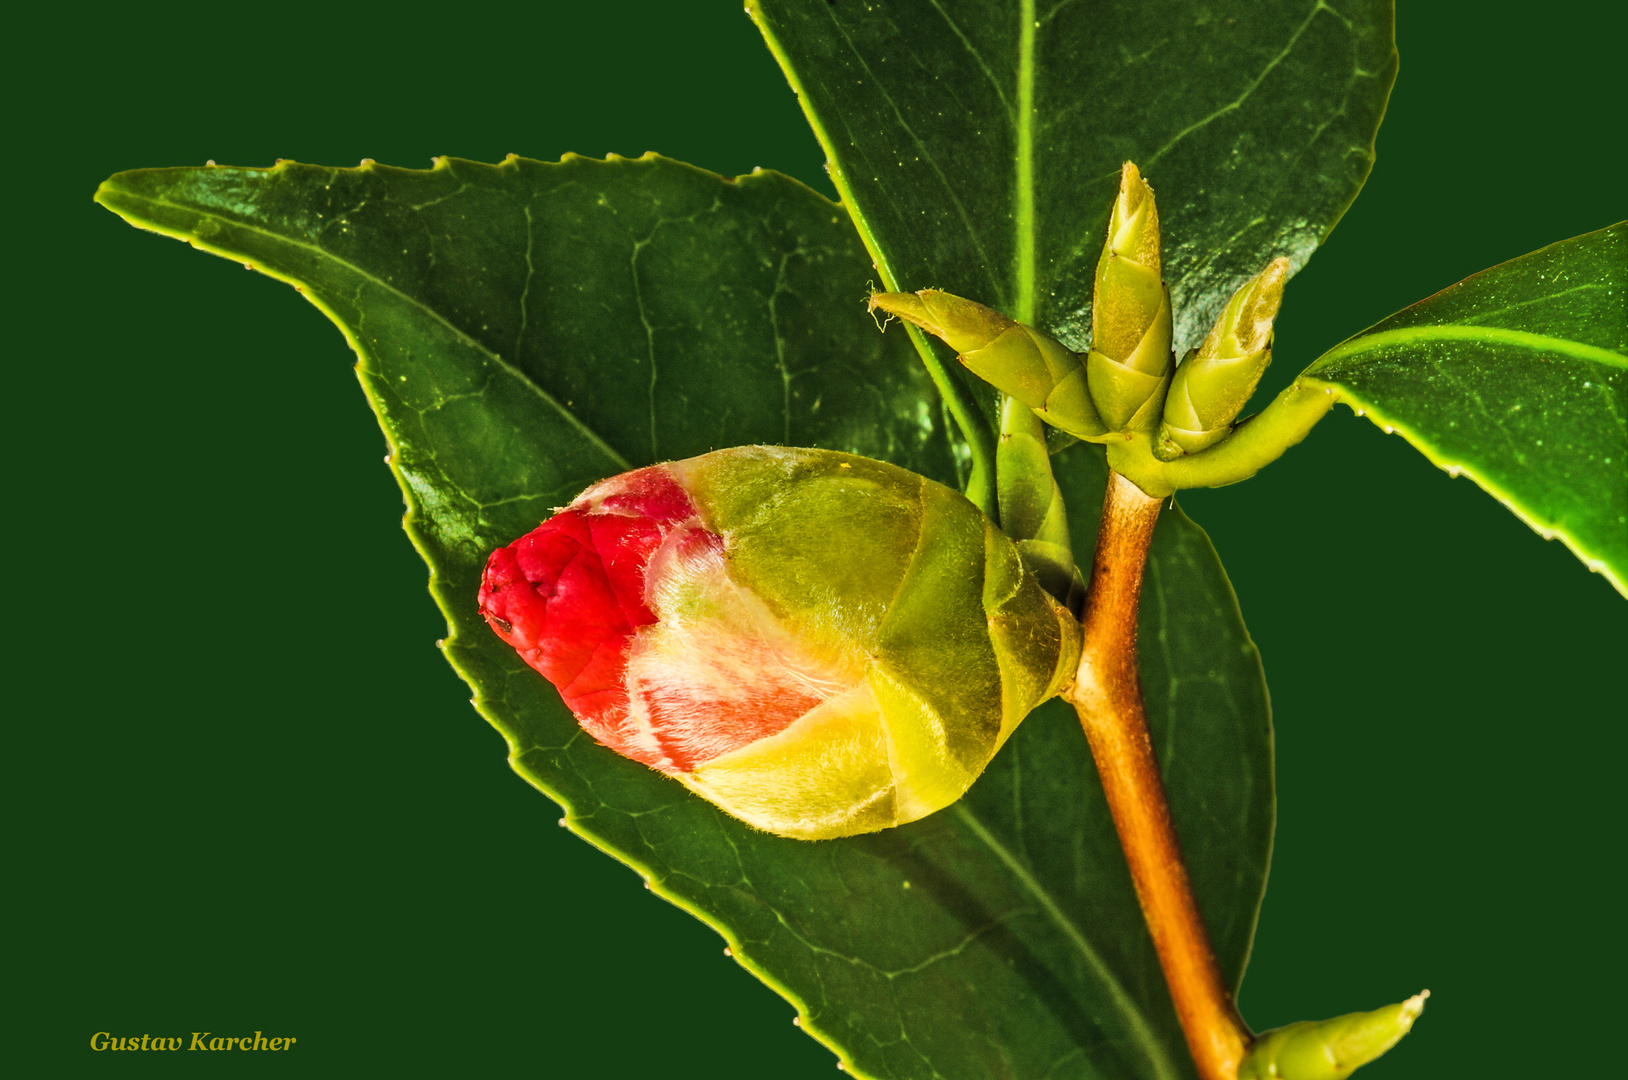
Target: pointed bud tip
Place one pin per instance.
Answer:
(1133, 227)
(1412, 1008)
(1274, 277)
(1132, 188)
(1269, 288)
(1244, 326)
(964, 325)
(902, 305)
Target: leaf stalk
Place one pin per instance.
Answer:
(1107, 695)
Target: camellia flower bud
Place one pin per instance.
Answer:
(1329, 1049)
(818, 643)
(1129, 362)
(1212, 385)
(1018, 360)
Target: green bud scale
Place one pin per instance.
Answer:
(1213, 383)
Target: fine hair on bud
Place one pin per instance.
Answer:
(817, 643)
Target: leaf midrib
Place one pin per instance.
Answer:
(1023, 215)
(200, 243)
(1520, 339)
(1023, 211)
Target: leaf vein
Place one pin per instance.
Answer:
(1094, 962)
(972, 50)
(1254, 84)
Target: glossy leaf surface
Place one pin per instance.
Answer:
(980, 145)
(1518, 378)
(528, 328)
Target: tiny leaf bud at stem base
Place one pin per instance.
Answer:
(1031, 504)
(1329, 1049)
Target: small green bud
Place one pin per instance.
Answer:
(1020, 361)
(1214, 383)
(1128, 366)
(1031, 505)
(1329, 1049)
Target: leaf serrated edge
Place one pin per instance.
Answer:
(111, 196)
(1595, 562)
(412, 525)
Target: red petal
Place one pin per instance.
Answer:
(570, 594)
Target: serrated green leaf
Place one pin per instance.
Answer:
(528, 328)
(979, 144)
(1518, 378)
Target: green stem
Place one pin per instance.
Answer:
(1252, 445)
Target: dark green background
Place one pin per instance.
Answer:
(250, 795)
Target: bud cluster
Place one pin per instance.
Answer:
(1126, 384)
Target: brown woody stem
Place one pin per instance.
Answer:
(1107, 694)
